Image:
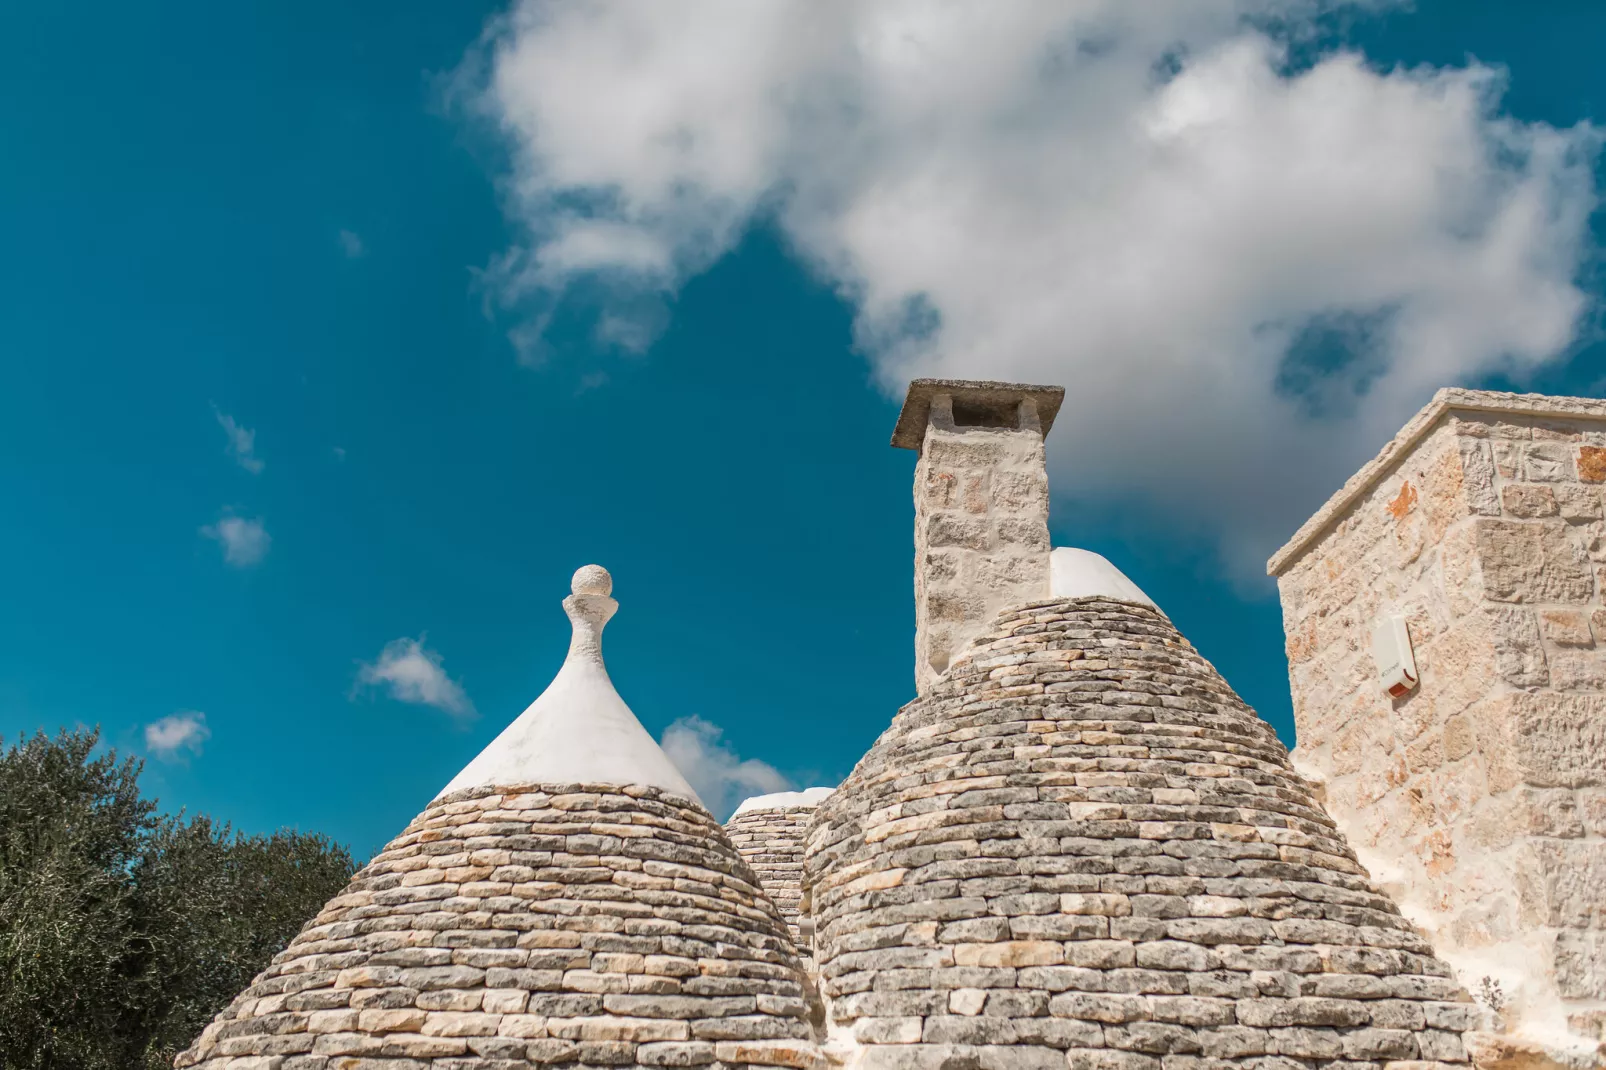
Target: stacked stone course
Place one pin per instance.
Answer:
(1082, 849)
(1481, 795)
(554, 925)
(770, 840)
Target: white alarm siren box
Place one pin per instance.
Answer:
(1391, 649)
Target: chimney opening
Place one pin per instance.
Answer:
(986, 412)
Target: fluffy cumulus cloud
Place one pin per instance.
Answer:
(411, 672)
(245, 540)
(177, 734)
(242, 442)
(1247, 269)
(720, 776)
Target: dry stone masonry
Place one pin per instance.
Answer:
(517, 924)
(532, 925)
(1080, 849)
(770, 840)
(1077, 848)
(1479, 798)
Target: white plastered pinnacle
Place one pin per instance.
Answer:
(1075, 573)
(579, 731)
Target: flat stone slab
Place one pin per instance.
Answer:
(996, 400)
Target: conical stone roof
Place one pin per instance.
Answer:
(1082, 849)
(768, 832)
(528, 919)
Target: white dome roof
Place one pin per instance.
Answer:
(1075, 573)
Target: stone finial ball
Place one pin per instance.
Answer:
(591, 579)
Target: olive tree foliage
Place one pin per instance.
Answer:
(122, 932)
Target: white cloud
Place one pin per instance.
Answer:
(721, 778)
(351, 244)
(242, 442)
(182, 731)
(244, 540)
(1247, 273)
(411, 672)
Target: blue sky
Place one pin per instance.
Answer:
(305, 287)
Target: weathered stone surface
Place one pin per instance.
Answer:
(1479, 793)
(1533, 563)
(624, 930)
(981, 510)
(1592, 464)
(1080, 848)
(770, 840)
(1563, 738)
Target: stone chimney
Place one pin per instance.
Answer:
(981, 507)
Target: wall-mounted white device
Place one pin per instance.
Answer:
(1391, 649)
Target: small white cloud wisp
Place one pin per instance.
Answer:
(351, 244)
(244, 540)
(177, 734)
(721, 777)
(242, 442)
(1246, 270)
(411, 672)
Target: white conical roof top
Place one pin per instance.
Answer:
(1077, 573)
(579, 731)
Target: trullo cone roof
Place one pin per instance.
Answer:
(768, 832)
(1081, 849)
(566, 901)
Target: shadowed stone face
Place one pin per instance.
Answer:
(1082, 845)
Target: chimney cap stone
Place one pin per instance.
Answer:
(986, 395)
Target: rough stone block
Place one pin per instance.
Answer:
(1519, 650)
(689, 1053)
(1561, 739)
(948, 529)
(1533, 562)
(1591, 461)
(1010, 953)
(1380, 1044)
(1562, 880)
(1478, 477)
(1548, 462)
(1528, 501)
(1566, 627)
(1578, 670)
(887, 1030)
(1577, 502)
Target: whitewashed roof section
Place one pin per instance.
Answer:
(784, 800)
(579, 731)
(1075, 573)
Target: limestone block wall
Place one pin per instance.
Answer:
(1478, 799)
(981, 535)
